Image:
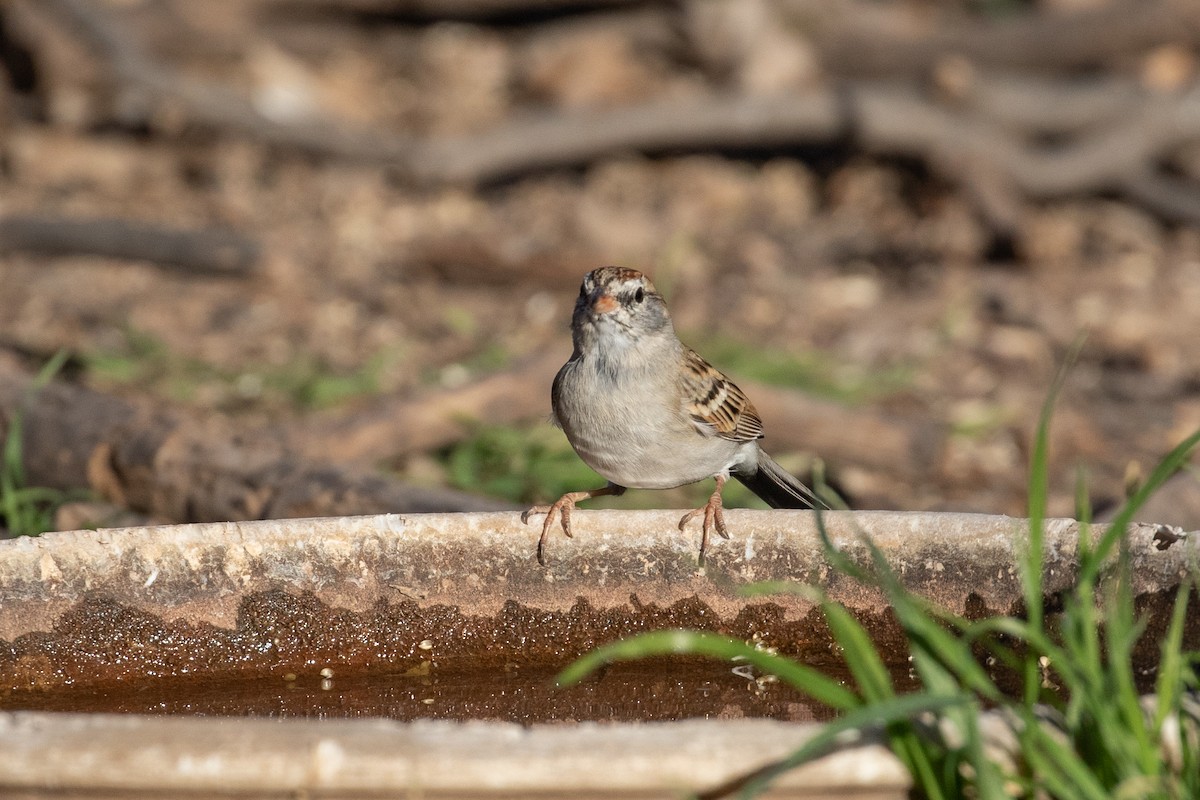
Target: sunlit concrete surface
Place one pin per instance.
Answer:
(477, 566)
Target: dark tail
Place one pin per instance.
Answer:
(778, 487)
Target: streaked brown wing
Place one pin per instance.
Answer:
(715, 403)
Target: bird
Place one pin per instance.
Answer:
(645, 411)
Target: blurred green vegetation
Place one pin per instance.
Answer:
(535, 464)
(28, 510)
(305, 381)
(528, 463)
(522, 464)
(817, 373)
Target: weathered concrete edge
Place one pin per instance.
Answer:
(160, 756)
(479, 561)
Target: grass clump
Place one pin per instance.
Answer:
(27, 510)
(1080, 725)
(535, 464)
(518, 464)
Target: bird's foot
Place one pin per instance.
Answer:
(562, 508)
(714, 517)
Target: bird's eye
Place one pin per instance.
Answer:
(639, 295)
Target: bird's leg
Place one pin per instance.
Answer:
(563, 508)
(713, 514)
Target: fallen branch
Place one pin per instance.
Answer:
(892, 119)
(146, 92)
(1175, 199)
(555, 140)
(1032, 105)
(531, 143)
(184, 470)
(909, 451)
(873, 43)
(1120, 137)
(399, 426)
(455, 9)
(213, 252)
(885, 119)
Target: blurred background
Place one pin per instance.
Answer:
(319, 256)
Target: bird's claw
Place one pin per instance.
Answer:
(714, 517)
(560, 508)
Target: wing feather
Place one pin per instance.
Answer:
(716, 405)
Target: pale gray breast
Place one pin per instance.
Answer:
(632, 429)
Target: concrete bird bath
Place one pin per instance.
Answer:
(324, 602)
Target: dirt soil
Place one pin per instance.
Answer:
(873, 280)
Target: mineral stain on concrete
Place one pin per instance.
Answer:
(293, 654)
(395, 606)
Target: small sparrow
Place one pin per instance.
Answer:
(645, 411)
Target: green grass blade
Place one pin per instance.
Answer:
(51, 368)
(26, 510)
(1083, 513)
(838, 560)
(1036, 640)
(1080, 660)
(936, 651)
(13, 467)
(923, 627)
(679, 642)
(1168, 466)
(890, 712)
(1032, 562)
(30, 495)
(17, 513)
(10, 504)
(1169, 683)
(862, 659)
(1135, 750)
(1057, 768)
(989, 782)
(858, 651)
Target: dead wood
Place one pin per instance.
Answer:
(907, 450)
(553, 140)
(453, 9)
(213, 252)
(1174, 199)
(401, 426)
(1121, 138)
(149, 94)
(902, 121)
(869, 43)
(886, 119)
(1035, 105)
(186, 470)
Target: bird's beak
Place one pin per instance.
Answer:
(604, 303)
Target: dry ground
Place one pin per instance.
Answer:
(868, 280)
